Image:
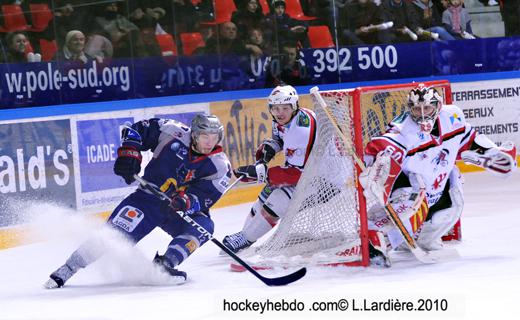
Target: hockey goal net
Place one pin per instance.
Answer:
(326, 221)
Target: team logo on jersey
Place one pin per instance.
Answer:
(128, 218)
(438, 181)
(303, 120)
(290, 152)
(440, 159)
(189, 176)
(191, 246)
(455, 118)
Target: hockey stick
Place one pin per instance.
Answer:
(418, 252)
(279, 281)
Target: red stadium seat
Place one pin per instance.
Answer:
(41, 16)
(320, 37)
(293, 8)
(265, 6)
(223, 11)
(191, 41)
(14, 20)
(48, 49)
(167, 44)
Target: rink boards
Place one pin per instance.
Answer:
(68, 159)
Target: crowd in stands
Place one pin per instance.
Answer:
(87, 30)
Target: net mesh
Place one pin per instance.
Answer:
(322, 215)
(322, 224)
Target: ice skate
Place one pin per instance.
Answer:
(58, 278)
(178, 277)
(236, 242)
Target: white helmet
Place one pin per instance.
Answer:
(284, 95)
(424, 104)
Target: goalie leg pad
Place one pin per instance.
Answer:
(430, 236)
(403, 201)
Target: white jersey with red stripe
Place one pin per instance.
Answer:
(432, 156)
(295, 139)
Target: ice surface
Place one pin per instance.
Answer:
(482, 284)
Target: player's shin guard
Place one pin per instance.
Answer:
(181, 247)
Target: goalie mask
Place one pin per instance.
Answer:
(424, 105)
(205, 124)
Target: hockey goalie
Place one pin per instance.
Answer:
(412, 168)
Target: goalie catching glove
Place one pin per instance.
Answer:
(255, 172)
(500, 161)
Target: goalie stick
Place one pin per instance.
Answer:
(279, 281)
(421, 255)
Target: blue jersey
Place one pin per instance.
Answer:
(176, 167)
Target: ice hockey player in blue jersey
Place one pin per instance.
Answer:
(189, 165)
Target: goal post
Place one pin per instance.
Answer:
(326, 221)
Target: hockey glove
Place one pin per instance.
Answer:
(255, 172)
(265, 151)
(187, 203)
(180, 202)
(128, 163)
(501, 161)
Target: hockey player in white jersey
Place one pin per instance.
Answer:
(417, 155)
(293, 133)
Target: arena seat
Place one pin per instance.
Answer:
(293, 8)
(48, 49)
(320, 37)
(41, 15)
(167, 44)
(223, 11)
(191, 41)
(14, 19)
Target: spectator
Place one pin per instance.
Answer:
(118, 29)
(74, 49)
(225, 41)
(18, 49)
(510, 11)
(99, 46)
(249, 15)
(66, 17)
(286, 68)
(283, 29)
(430, 20)
(255, 45)
(404, 18)
(457, 20)
(357, 22)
